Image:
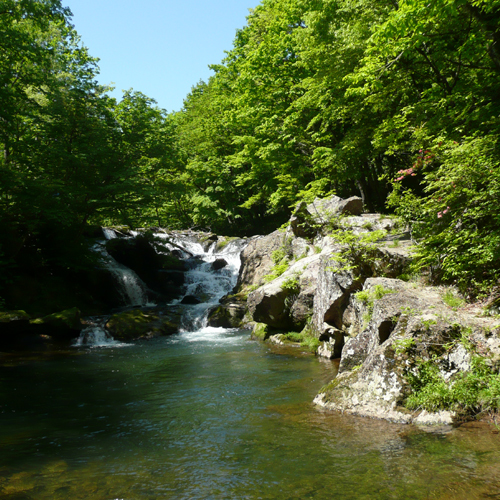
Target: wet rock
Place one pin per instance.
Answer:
(229, 314)
(138, 324)
(261, 331)
(190, 300)
(66, 324)
(218, 264)
(160, 271)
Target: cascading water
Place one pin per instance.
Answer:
(132, 288)
(205, 281)
(96, 335)
(212, 273)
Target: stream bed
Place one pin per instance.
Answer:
(213, 415)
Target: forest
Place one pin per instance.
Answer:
(394, 101)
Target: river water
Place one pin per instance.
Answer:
(210, 414)
(214, 415)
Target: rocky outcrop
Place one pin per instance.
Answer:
(256, 259)
(396, 329)
(334, 276)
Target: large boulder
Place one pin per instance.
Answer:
(13, 323)
(256, 259)
(395, 328)
(230, 312)
(286, 302)
(309, 220)
(61, 325)
(139, 324)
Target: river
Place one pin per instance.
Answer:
(214, 415)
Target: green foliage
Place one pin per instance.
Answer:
(403, 345)
(452, 300)
(456, 220)
(305, 338)
(277, 270)
(471, 392)
(291, 284)
(369, 296)
(359, 250)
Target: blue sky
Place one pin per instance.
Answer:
(159, 47)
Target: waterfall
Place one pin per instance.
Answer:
(203, 281)
(212, 273)
(96, 335)
(132, 289)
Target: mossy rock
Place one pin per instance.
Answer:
(226, 317)
(13, 323)
(63, 324)
(261, 331)
(9, 316)
(137, 324)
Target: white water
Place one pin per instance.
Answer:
(132, 289)
(202, 282)
(96, 336)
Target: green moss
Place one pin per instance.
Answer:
(69, 318)
(306, 339)
(261, 331)
(8, 316)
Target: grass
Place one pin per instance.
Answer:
(451, 299)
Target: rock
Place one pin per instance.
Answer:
(277, 339)
(256, 259)
(13, 323)
(190, 300)
(323, 209)
(137, 324)
(332, 295)
(286, 302)
(309, 220)
(229, 314)
(301, 223)
(390, 337)
(261, 331)
(218, 264)
(333, 343)
(267, 305)
(160, 271)
(436, 418)
(61, 325)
